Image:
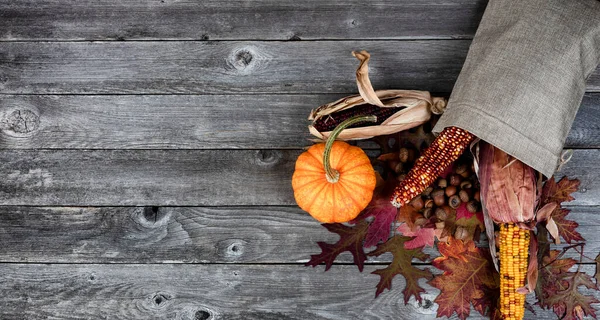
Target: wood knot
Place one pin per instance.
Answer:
(231, 249)
(20, 122)
(268, 157)
(242, 59)
(160, 299)
(202, 315)
(295, 37)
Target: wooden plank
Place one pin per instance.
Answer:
(182, 177)
(208, 292)
(187, 235)
(189, 122)
(235, 20)
(191, 67)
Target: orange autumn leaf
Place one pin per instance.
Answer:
(468, 277)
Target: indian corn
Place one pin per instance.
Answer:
(444, 150)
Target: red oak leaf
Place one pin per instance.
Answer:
(401, 264)
(384, 214)
(421, 236)
(469, 275)
(559, 191)
(351, 239)
(566, 228)
(558, 288)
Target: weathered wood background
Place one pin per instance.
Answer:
(146, 150)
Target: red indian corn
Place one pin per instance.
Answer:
(514, 246)
(442, 152)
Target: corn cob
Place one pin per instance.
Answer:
(514, 246)
(444, 150)
(328, 123)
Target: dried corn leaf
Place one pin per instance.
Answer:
(416, 107)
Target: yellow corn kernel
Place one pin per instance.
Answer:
(514, 250)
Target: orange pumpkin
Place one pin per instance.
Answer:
(334, 181)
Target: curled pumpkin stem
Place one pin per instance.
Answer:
(444, 150)
(332, 174)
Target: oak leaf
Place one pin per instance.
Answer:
(469, 276)
(558, 288)
(351, 240)
(401, 264)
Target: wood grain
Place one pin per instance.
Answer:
(189, 122)
(182, 177)
(208, 292)
(264, 235)
(236, 20)
(189, 67)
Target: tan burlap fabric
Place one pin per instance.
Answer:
(524, 77)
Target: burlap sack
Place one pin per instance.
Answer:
(524, 76)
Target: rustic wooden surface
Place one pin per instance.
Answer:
(147, 146)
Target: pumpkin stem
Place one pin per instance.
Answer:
(333, 175)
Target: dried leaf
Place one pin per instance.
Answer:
(351, 239)
(559, 288)
(421, 236)
(408, 214)
(401, 264)
(566, 228)
(559, 191)
(380, 228)
(362, 79)
(468, 277)
(553, 230)
(597, 275)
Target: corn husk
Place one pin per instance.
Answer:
(418, 106)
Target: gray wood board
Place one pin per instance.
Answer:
(210, 292)
(227, 20)
(190, 67)
(189, 122)
(264, 235)
(183, 177)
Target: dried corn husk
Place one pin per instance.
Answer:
(418, 106)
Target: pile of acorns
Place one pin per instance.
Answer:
(437, 205)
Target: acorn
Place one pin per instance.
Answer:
(442, 183)
(450, 191)
(441, 213)
(477, 196)
(454, 201)
(429, 203)
(473, 206)
(465, 195)
(455, 180)
(420, 220)
(427, 191)
(403, 155)
(462, 170)
(428, 212)
(461, 233)
(438, 197)
(398, 168)
(417, 203)
(440, 225)
(466, 184)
